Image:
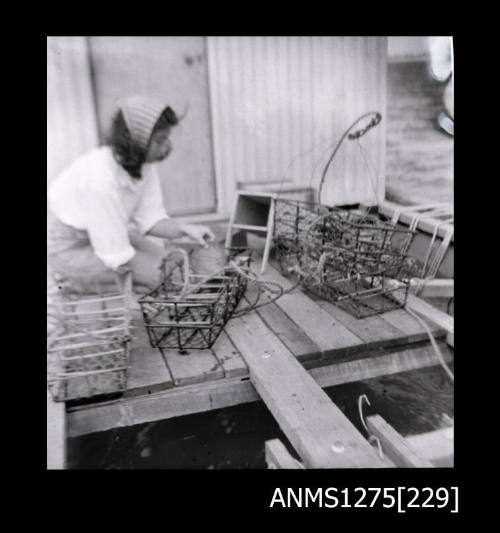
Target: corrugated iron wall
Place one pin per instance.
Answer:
(71, 119)
(280, 104)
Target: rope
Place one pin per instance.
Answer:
(439, 256)
(429, 250)
(433, 342)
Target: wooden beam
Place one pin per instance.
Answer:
(394, 445)
(277, 456)
(197, 398)
(384, 365)
(315, 426)
(288, 331)
(433, 288)
(373, 330)
(56, 435)
(430, 312)
(163, 405)
(436, 446)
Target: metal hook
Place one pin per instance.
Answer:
(360, 408)
(371, 437)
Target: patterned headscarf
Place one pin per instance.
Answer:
(141, 114)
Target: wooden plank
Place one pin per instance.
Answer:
(201, 397)
(381, 365)
(163, 405)
(316, 427)
(148, 372)
(249, 227)
(332, 337)
(394, 445)
(374, 331)
(450, 339)
(227, 353)
(56, 434)
(414, 331)
(289, 333)
(435, 446)
(196, 366)
(278, 457)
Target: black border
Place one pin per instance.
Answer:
(218, 492)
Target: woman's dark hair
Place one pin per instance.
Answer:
(125, 150)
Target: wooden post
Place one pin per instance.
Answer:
(277, 456)
(56, 435)
(394, 445)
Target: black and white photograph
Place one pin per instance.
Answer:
(250, 255)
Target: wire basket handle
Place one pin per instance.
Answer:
(377, 117)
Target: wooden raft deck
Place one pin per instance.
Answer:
(334, 347)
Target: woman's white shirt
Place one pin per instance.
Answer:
(96, 194)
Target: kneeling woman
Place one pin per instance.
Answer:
(102, 207)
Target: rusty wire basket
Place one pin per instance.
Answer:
(343, 256)
(176, 318)
(87, 346)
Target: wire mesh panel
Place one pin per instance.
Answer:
(190, 314)
(87, 346)
(343, 256)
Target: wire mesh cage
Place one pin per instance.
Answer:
(88, 346)
(188, 311)
(343, 256)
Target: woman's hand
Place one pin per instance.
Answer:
(201, 234)
(168, 228)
